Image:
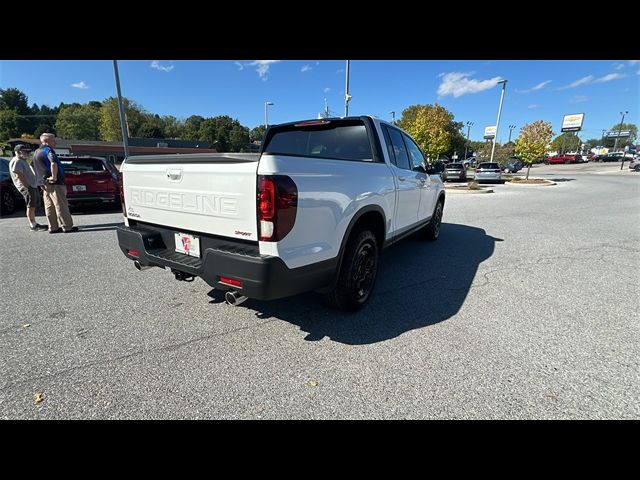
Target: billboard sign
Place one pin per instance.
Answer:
(572, 123)
(619, 134)
(489, 132)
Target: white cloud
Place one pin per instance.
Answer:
(609, 77)
(81, 85)
(577, 83)
(459, 83)
(578, 99)
(533, 105)
(317, 63)
(262, 67)
(539, 86)
(306, 68)
(591, 79)
(618, 66)
(633, 62)
(163, 68)
(327, 90)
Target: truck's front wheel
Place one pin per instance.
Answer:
(358, 272)
(432, 230)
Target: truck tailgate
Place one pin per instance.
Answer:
(212, 194)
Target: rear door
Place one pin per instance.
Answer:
(409, 183)
(214, 194)
(427, 192)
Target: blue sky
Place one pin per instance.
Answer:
(536, 89)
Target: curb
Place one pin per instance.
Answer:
(547, 183)
(460, 190)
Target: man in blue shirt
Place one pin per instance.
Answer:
(50, 176)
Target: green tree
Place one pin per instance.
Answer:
(191, 130)
(430, 126)
(14, 99)
(566, 142)
(79, 122)
(172, 127)
(533, 141)
(238, 138)
(8, 124)
(257, 133)
(151, 127)
(110, 128)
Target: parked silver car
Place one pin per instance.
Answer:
(488, 172)
(634, 164)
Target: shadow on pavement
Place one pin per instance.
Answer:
(99, 227)
(419, 284)
(562, 179)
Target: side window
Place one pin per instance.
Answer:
(387, 141)
(417, 159)
(402, 157)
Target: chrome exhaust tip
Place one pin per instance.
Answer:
(140, 267)
(234, 298)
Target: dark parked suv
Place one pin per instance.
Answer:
(91, 180)
(10, 197)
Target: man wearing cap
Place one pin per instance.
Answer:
(50, 176)
(25, 181)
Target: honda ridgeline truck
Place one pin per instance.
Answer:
(311, 211)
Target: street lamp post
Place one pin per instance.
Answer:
(469, 125)
(615, 146)
(123, 117)
(511, 129)
(493, 147)
(347, 97)
(603, 132)
(266, 115)
(393, 117)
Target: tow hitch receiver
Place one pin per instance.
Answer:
(185, 277)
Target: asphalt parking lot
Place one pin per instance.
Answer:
(527, 307)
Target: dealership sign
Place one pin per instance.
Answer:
(619, 134)
(489, 132)
(573, 122)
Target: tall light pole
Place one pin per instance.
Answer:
(393, 117)
(469, 125)
(511, 129)
(123, 118)
(603, 132)
(615, 146)
(266, 116)
(493, 147)
(347, 97)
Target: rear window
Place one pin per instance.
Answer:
(82, 165)
(341, 140)
(454, 166)
(489, 165)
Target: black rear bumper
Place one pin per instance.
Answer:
(263, 277)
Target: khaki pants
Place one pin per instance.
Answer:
(56, 207)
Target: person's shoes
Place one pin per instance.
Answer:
(73, 229)
(57, 230)
(38, 226)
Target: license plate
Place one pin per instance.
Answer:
(79, 188)
(187, 244)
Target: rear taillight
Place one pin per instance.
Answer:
(277, 204)
(124, 208)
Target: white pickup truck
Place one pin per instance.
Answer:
(312, 211)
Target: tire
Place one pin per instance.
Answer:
(357, 275)
(8, 205)
(432, 231)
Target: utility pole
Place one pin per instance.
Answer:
(123, 119)
(469, 125)
(493, 147)
(620, 131)
(347, 97)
